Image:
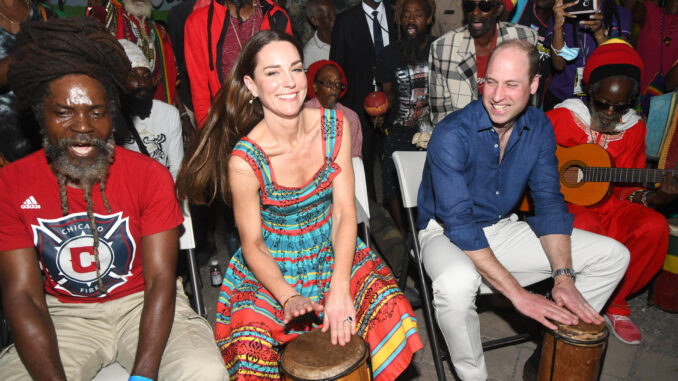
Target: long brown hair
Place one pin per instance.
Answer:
(204, 170)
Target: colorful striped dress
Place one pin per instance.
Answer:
(297, 226)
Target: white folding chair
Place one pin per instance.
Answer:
(362, 204)
(187, 242)
(410, 166)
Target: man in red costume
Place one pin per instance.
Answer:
(131, 20)
(213, 37)
(612, 74)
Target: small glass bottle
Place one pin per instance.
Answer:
(215, 273)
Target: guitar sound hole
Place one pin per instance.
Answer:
(573, 175)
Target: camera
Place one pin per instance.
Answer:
(583, 9)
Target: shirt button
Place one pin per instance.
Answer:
(497, 193)
(496, 146)
(499, 216)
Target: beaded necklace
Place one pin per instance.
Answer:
(667, 38)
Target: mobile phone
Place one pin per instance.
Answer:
(583, 9)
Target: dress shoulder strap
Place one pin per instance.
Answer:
(333, 131)
(249, 151)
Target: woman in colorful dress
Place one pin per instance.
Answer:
(290, 180)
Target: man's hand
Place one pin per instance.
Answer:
(420, 139)
(541, 309)
(566, 295)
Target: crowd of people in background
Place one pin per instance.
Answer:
(243, 100)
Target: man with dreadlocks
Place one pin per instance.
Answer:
(100, 221)
(402, 71)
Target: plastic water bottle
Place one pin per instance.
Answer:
(215, 273)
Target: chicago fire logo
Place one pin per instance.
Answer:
(65, 245)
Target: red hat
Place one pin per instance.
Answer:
(613, 57)
(313, 70)
(509, 4)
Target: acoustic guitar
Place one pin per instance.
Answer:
(586, 173)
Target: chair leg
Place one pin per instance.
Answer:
(366, 234)
(195, 284)
(428, 308)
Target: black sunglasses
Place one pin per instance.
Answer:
(485, 6)
(332, 85)
(600, 105)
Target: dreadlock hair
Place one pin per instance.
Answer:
(49, 50)
(204, 170)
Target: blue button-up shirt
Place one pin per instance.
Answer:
(465, 187)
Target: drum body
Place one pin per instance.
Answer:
(664, 293)
(573, 353)
(312, 357)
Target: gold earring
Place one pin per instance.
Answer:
(252, 100)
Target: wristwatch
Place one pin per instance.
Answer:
(568, 272)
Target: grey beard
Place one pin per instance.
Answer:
(87, 174)
(142, 10)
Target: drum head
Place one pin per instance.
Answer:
(312, 356)
(582, 333)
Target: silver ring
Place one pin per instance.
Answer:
(349, 319)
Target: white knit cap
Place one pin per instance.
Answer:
(135, 55)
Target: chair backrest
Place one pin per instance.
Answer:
(362, 205)
(410, 166)
(186, 240)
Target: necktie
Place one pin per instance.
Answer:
(376, 30)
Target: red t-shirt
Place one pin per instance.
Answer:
(481, 67)
(141, 195)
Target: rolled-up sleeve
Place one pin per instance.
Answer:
(446, 158)
(550, 212)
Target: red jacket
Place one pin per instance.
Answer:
(204, 34)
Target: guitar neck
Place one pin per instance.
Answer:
(624, 175)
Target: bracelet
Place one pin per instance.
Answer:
(183, 114)
(288, 299)
(139, 378)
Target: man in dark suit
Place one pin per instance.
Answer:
(354, 47)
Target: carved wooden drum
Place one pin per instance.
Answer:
(573, 353)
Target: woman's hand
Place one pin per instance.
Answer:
(339, 317)
(297, 305)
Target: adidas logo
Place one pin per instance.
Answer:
(30, 203)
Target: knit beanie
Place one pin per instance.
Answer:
(613, 57)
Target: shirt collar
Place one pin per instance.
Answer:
(485, 123)
(381, 9)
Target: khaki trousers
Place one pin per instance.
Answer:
(93, 335)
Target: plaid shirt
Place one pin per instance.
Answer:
(453, 77)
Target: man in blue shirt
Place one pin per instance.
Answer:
(479, 162)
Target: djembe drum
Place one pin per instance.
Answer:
(312, 357)
(664, 293)
(573, 353)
